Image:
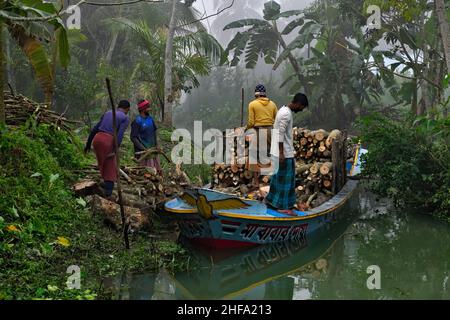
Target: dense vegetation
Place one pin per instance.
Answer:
(409, 162)
(44, 229)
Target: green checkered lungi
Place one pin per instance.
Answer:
(282, 186)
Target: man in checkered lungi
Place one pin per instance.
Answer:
(282, 185)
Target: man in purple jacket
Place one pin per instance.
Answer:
(102, 139)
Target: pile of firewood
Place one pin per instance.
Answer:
(19, 109)
(143, 189)
(141, 186)
(226, 176)
(314, 169)
(314, 146)
(314, 166)
(238, 174)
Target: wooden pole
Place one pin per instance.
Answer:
(242, 106)
(116, 147)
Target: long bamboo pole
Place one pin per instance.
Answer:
(119, 185)
(242, 106)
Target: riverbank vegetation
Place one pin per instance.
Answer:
(409, 162)
(44, 228)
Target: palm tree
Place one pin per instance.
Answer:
(193, 56)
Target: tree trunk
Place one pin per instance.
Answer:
(291, 58)
(108, 58)
(414, 107)
(112, 46)
(50, 100)
(425, 102)
(443, 30)
(2, 102)
(9, 70)
(168, 97)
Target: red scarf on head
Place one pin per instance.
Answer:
(143, 105)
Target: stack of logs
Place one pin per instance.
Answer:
(314, 166)
(141, 186)
(19, 109)
(314, 169)
(143, 189)
(314, 146)
(237, 174)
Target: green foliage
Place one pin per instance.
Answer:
(44, 229)
(29, 37)
(193, 55)
(65, 149)
(409, 161)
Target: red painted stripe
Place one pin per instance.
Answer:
(232, 223)
(222, 243)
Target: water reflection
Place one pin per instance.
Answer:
(413, 253)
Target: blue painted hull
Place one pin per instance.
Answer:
(220, 220)
(254, 225)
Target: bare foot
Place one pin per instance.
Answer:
(288, 212)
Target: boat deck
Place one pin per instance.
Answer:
(259, 211)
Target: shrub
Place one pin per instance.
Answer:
(409, 161)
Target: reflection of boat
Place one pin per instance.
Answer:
(257, 272)
(222, 220)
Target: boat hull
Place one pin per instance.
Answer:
(223, 221)
(239, 229)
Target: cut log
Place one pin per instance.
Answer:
(86, 188)
(310, 199)
(110, 212)
(321, 135)
(326, 168)
(315, 168)
(266, 179)
(335, 134)
(303, 168)
(327, 184)
(248, 174)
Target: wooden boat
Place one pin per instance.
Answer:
(219, 220)
(264, 269)
(262, 272)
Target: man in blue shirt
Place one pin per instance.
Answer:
(144, 136)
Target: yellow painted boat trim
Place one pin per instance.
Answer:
(355, 161)
(246, 217)
(180, 210)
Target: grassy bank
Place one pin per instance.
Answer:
(44, 229)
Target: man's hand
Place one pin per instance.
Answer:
(282, 158)
(281, 147)
(87, 149)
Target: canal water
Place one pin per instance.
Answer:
(374, 253)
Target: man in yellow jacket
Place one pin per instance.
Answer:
(261, 117)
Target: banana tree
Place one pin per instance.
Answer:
(31, 37)
(193, 55)
(263, 38)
